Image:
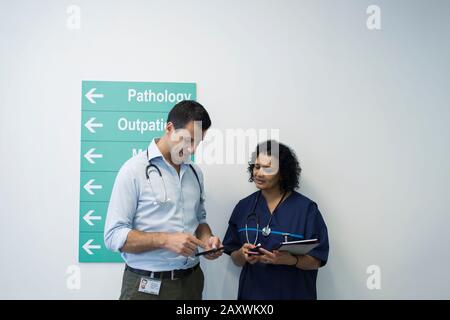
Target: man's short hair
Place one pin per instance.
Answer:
(186, 111)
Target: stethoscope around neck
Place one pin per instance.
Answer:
(266, 230)
(149, 170)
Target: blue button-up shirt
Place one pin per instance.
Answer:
(139, 204)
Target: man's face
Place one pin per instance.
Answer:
(183, 142)
(265, 172)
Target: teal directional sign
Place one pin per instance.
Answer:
(119, 119)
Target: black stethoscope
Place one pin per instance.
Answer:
(266, 230)
(148, 171)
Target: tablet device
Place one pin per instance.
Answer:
(209, 251)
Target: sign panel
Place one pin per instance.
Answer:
(118, 120)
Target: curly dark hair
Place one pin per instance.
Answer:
(288, 165)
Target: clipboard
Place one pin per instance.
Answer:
(300, 247)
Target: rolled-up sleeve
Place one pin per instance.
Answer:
(121, 210)
(201, 211)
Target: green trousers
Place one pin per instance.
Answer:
(186, 288)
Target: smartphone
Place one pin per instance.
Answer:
(255, 251)
(209, 251)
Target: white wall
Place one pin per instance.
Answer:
(366, 111)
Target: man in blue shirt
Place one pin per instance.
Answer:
(156, 216)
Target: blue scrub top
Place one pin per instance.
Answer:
(300, 218)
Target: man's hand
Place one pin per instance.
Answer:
(183, 243)
(213, 243)
(277, 257)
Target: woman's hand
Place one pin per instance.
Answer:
(249, 257)
(277, 257)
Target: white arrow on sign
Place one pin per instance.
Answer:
(91, 155)
(88, 246)
(90, 124)
(91, 95)
(88, 217)
(89, 186)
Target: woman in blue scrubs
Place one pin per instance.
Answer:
(273, 214)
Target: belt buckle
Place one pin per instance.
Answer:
(172, 275)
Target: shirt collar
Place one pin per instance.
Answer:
(153, 150)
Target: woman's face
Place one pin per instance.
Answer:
(265, 172)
